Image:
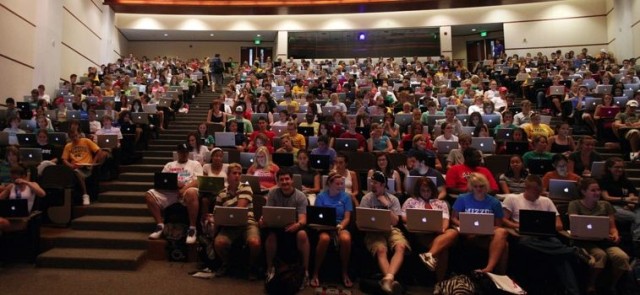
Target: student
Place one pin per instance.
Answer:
(21, 187)
(285, 195)
(81, 154)
(12, 130)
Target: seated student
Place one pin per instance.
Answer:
(378, 243)
(285, 195)
(262, 129)
(200, 152)
(531, 199)
(351, 183)
(512, 181)
(580, 160)
(525, 116)
(422, 144)
(286, 146)
(81, 154)
(477, 200)
(335, 197)
(12, 158)
(239, 118)
(420, 168)
(535, 128)
(561, 142)
(432, 110)
(507, 122)
(108, 129)
(12, 129)
(351, 133)
(289, 103)
(284, 118)
(324, 149)
(447, 135)
(157, 200)
(240, 138)
(455, 156)
(452, 120)
(264, 168)
(216, 167)
(425, 196)
(297, 140)
(94, 124)
(310, 122)
(237, 194)
(50, 153)
(457, 175)
(204, 137)
(21, 187)
(261, 140)
(383, 165)
(378, 142)
(606, 250)
(11, 107)
(626, 126)
(310, 178)
(539, 151)
(561, 171)
(42, 122)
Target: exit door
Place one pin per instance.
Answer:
(252, 54)
(479, 50)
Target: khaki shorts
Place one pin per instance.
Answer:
(376, 240)
(165, 198)
(631, 132)
(230, 234)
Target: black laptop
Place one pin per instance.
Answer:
(25, 110)
(283, 159)
(319, 162)
(12, 208)
(27, 139)
(165, 181)
(306, 131)
(517, 147)
(537, 223)
(540, 166)
(324, 217)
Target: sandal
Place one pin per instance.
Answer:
(315, 283)
(346, 281)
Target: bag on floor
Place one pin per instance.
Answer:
(176, 224)
(457, 285)
(287, 280)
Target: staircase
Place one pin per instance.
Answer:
(112, 232)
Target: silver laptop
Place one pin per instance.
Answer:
(278, 217)
(424, 220)
(231, 216)
(589, 227)
(369, 219)
(563, 189)
(31, 155)
(279, 130)
(225, 139)
(246, 159)
(403, 119)
(476, 223)
(467, 130)
(108, 141)
(603, 89)
(444, 147)
(253, 181)
(556, 90)
(484, 144)
(140, 118)
(149, 108)
(327, 111)
(75, 115)
(165, 102)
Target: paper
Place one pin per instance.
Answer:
(505, 283)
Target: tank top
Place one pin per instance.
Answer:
(348, 182)
(216, 119)
(25, 193)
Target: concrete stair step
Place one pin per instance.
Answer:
(131, 186)
(137, 176)
(98, 239)
(164, 147)
(144, 168)
(172, 142)
(154, 153)
(122, 197)
(172, 135)
(156, 160)
(117, 209)
(114, 259)
(114, 223)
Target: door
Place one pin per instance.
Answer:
(251, 54)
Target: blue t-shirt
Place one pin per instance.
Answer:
(466, 203)
(342, 203)
(381, 143)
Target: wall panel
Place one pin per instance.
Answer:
(191, 49)
(18, 83)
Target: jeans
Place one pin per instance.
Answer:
(632, 216)
(554, 247)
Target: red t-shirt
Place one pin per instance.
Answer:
(457, 177)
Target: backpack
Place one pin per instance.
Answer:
(217, 67)
(287, 280)
(176, 224)
(458, 285)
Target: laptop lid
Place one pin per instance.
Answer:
(504, 134)
(306, 131)
(140, 118)
(597, 169)
(484, 144)
(283, 159)
(230, 216)
(58, 138)
(369, 219)
(492, 120)
(424, 220)
(210, 184)
(346, 144)
(253, 181)
(165, 181)
(27, 139)
(31, 155)
(603, 89)
(476, 223)
(165, 102)
(323, 217)
(403, 119)
(517, 147)
(278, 217)
(225, 139)
(246, 159)
(563, 189)
(14, 208)
(537, 223)
(540, 166)
(149, 108)
(444, 147)
(73, 115)
(609, 112)
(556, 90)
(108, 141)
(319, 162)
(589, 227)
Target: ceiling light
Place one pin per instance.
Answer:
(211, 34)
(473, 30)
(165, 34)
(258, 36)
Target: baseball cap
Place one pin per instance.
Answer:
(182, 148)
(632, 103)
(239, 109)
(379, 177)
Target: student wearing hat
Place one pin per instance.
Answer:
(626, 125)
(378, 243)
(239, 117)
(158, 200)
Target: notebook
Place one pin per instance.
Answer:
(306, 131)
(279, 130)
(492, 120)
(589, 227)
(537, 223)
(319, 162)
(346, 144)
(369, 219)
(225, 139)
(14, 208)
(556, 90)
(476, 223)
(563, 189)
(26, 139)
(231, 216)
(504, 134)
(278, 217)
(597, 169)
(609, 112)
(108, 141)
(58, 138)
(603, 89)
(31, 155)
(424, 220)
(210, 184)
(484, 144)
(165, 181)
(321, 217)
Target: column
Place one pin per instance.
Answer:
(48, 51)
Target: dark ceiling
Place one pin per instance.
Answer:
(284, 7)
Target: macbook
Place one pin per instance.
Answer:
(27, 139)
(444, 147)
(504, 134)
(225, 139)
(537, 223)
(165, 181)
(321, 217)
(279, 130)
(424, 220)
(210, 184)
(540, 166)
(484, 144)
(403, 119)
(476, 223)
(58, 138)
(246, 159)
(231, 216)
(140, 118)
(278, 217)
(253, 181)
(609, 112)
(517, 147)
(369, 219)
(14, 208)
(31, 155)
(319, 162)
(73, 115)
(283, 159)
(597, 169)
(306, 131)
(603, 89)
(563, 189)
(492, 120)
(108, 141)
(346, 144)
(556, 90)
(589, 227)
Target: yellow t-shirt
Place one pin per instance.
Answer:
(81, 152)
(299, 141)
(541, 129)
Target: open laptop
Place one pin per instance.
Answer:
(279, 130)
(537, 223)
(210, 184)
(556, 90)
(484, 144)
(150, 108)
(589, 227)
(140, 118)
(225, 139)
(609, 112)
(165, 103)
(563, 189)
(597, 169)
(346, 144)
(504, 134)
(444, 147)
(306, 131)
(476, 223)
(540, 166)
(403, 119)
(278, 217)
(108, 141)
(590, 103)
(58, 138)
(253, 181)
(73, 115)
(26, 139)
(492, 120)
(424, 220)
(319, 162)
(369, 219)
(231, 216)
(517, 147)
(165, 181)
(246, 159)
(603, 89)
(13, 208)
(31, 156)
(321, 217)
(283, 159)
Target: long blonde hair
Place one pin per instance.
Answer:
(265, 151)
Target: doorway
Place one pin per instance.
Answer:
(479, 50)
(253, 54)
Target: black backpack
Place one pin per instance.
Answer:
(287, 280)
(176, 224)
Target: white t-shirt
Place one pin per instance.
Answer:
(223, 172)
(515, 203)
(187, 171)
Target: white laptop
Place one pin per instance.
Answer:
(603, 89)
(278, 217)
(424, 220)
(563, 189)
(225, 139)
(589, 227)
(231, 216)
(476, 223)
(369, 219)
(484, 144)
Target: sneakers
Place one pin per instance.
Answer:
(86, 200)
(429, 261)
(390, 286)
(305, 281)
(191, 236)
(157, 233)
(269, 275)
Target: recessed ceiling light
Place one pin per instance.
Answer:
(473, 30)
(258, 35)
(165, 34)
(211, 34)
